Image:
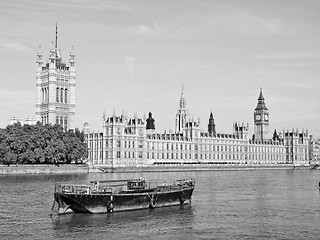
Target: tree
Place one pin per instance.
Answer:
(40, 144)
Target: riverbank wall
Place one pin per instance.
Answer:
(195, 167)
(42, 169)
(72, 168)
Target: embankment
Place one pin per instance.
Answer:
(195, 167)
(43, 169)
(72, 168)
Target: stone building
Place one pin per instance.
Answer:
(56, 84)
(134, 142)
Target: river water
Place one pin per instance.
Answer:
(253, 204)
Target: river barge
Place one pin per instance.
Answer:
(121, 195)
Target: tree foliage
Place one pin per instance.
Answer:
(40, 144)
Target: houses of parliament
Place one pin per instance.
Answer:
(134, 141)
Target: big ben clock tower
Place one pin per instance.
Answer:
(261, 119)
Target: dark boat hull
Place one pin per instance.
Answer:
(109, 202)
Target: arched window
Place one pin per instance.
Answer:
(57, 95)
(61, 96)
(57, 120)
(66, 95)
(47, 95)
(61, 121)
(65, 123)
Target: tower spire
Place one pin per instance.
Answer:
(56, 44)
(182, 94)
(261, 95)
(182, 114)
(182, 100)
(211, 126)
(261, 104)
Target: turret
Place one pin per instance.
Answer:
(39, 60)
(150, 124)
(211, 126)
(241, 130)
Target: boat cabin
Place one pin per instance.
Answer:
(137, 184)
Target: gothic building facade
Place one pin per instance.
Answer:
(133, 141)
(56, 84)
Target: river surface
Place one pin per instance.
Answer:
(253, 204)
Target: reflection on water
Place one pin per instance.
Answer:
(131, 224)
(180, 215)
(261, 204)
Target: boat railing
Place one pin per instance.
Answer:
(177, 185)
(116, 188)
(83, 189)
(185, 182)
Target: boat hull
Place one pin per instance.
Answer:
(110, 202)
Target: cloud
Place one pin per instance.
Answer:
(99, 5)
(238, 18)
(165, 28)
(297, 109)
(296, 65)
(246, 23)
(16, 103)
(15, 47)
(130, 61)
(150, 31)
(293, 59)
(190, 67)
(252, 24)
(12, 97)
(290, 55)
(74, 4)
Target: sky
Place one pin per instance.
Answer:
(134, 56)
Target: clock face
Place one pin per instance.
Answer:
(258, 117)
(266, 117)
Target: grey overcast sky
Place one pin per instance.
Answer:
(133, 57)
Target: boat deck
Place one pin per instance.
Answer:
(121, 187)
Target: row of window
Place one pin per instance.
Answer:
(226, 148)
(45, 120)
(62, 80)
(189, 156)
(126, 155)
(45, 95)
(62, 121)
(212, 156)
(197, 147)
(211, 147)
(61, 95)
(127, 144)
